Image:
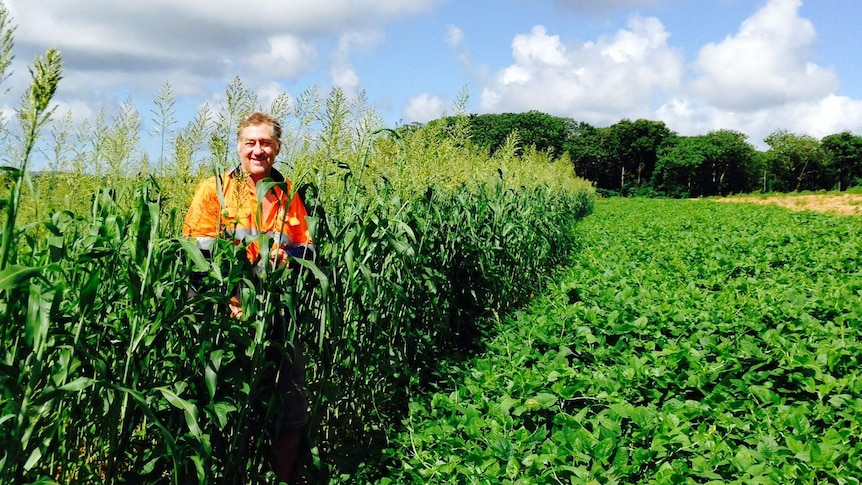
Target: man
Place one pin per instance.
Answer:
(228, 206)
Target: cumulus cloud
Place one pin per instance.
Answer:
(424, 108)
(343, 73)
(764, 64)
(211, 40)
(269, 92)
(288, 56)
(757, 80)
(602, 81)
(760, 80)
(825, 116)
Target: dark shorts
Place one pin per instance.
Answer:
(285, 376)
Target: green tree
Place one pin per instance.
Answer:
(590, 157)
(534, 129)
(634, 146)
(795, 162)
(678, 165)
(730, 163)
(718, 163)
(843, 159)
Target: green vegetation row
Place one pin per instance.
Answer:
(647, 158)
(689, 342)
(111, 373)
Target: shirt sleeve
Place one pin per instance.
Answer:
(202, 218)
(201, 224)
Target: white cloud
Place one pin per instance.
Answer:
(79, 111)
(268, 92)
(205, 43)
(343, 73)
(424, 108)
(760, 80)
(360, 41)
(635, 45)
(288, 56)
(345, 77)
(538, 49)
(829, 115)
(764, 64)
(832, 114)
(454, 36)
(598, 82)
(203, 20)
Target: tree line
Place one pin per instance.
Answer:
(645, 157)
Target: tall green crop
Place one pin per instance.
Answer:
(24, 290)
(111, 371)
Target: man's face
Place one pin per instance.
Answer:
(257, 150)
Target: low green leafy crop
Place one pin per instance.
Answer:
(690, 342)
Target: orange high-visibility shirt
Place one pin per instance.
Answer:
(242, 215)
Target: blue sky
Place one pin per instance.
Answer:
(755, 66)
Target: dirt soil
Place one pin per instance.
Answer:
(841, 204)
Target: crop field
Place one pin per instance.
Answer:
(471, 317)
(689, 342)
(111, 372)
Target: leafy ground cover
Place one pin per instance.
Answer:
(690, 342)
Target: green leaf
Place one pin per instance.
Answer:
(33, 459)
(603, 450)
(7, 417)
(194, 252)
(222, 409)
(621, 458)
(14, 275)
(189, 410)
(211, 380)
(150, 466)
(78, 384)
(793, 444)
(87, 296)
(402, 248)
(38, 317)
(546, 399)
(145, 407)
(742, 460)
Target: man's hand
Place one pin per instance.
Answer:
(235, 307)
(279, 257)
